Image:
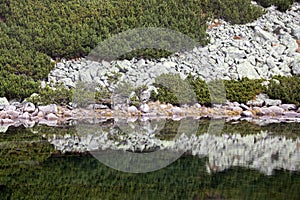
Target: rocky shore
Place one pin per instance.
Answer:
(261, 111)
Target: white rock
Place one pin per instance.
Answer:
(245, 69)
(7, 121)
(132, 109)
(145, 108)
(176, 110)
(247, 113)
(4, 101)
(25, 115)
(273, 102)
(51, 117)
(52, 108)
(29, 107)
(276, 110)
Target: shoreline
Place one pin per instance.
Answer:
(53, 115)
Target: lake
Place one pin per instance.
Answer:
(237, 160)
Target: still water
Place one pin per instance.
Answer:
(33, 167)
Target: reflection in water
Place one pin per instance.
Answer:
(30, 168)
(261, 151)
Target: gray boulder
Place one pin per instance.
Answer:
(52, 108)
(288, 106)
(51, 117)
(132, 109)
(247, 113)
(276, 110)
(245, 69)
(145, 108)
(29, 107)
(265, 111)
(273, 102)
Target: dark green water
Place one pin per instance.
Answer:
(30, 168)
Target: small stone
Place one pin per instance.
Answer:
(51, 117)
(29, 107)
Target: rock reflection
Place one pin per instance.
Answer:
(262, 151)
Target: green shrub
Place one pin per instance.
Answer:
(287, 90)
(59, 95)
(234, 90)
(172, 89)
(282, 5)
(201, 90)
(243, 90)
(16, 87)
(234, 11)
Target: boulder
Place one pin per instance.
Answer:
(68, 82)
(51, 117)
(247, 113)
(244, 107)
(52, 108)
(291, 114)
(4, 101)
(273, 102)
(29, 107)
(276, 110)
(3, 129)
(3, 114)
(7, 121)
(264, 34)
(12, 114)
(265, 111)
(245, 69)
(132, 109)
(176, 110)
(258, 101)
(288, 107)
(145, 108)
(25, 115)
(40, 115)
(10, 107)
(236, 109)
